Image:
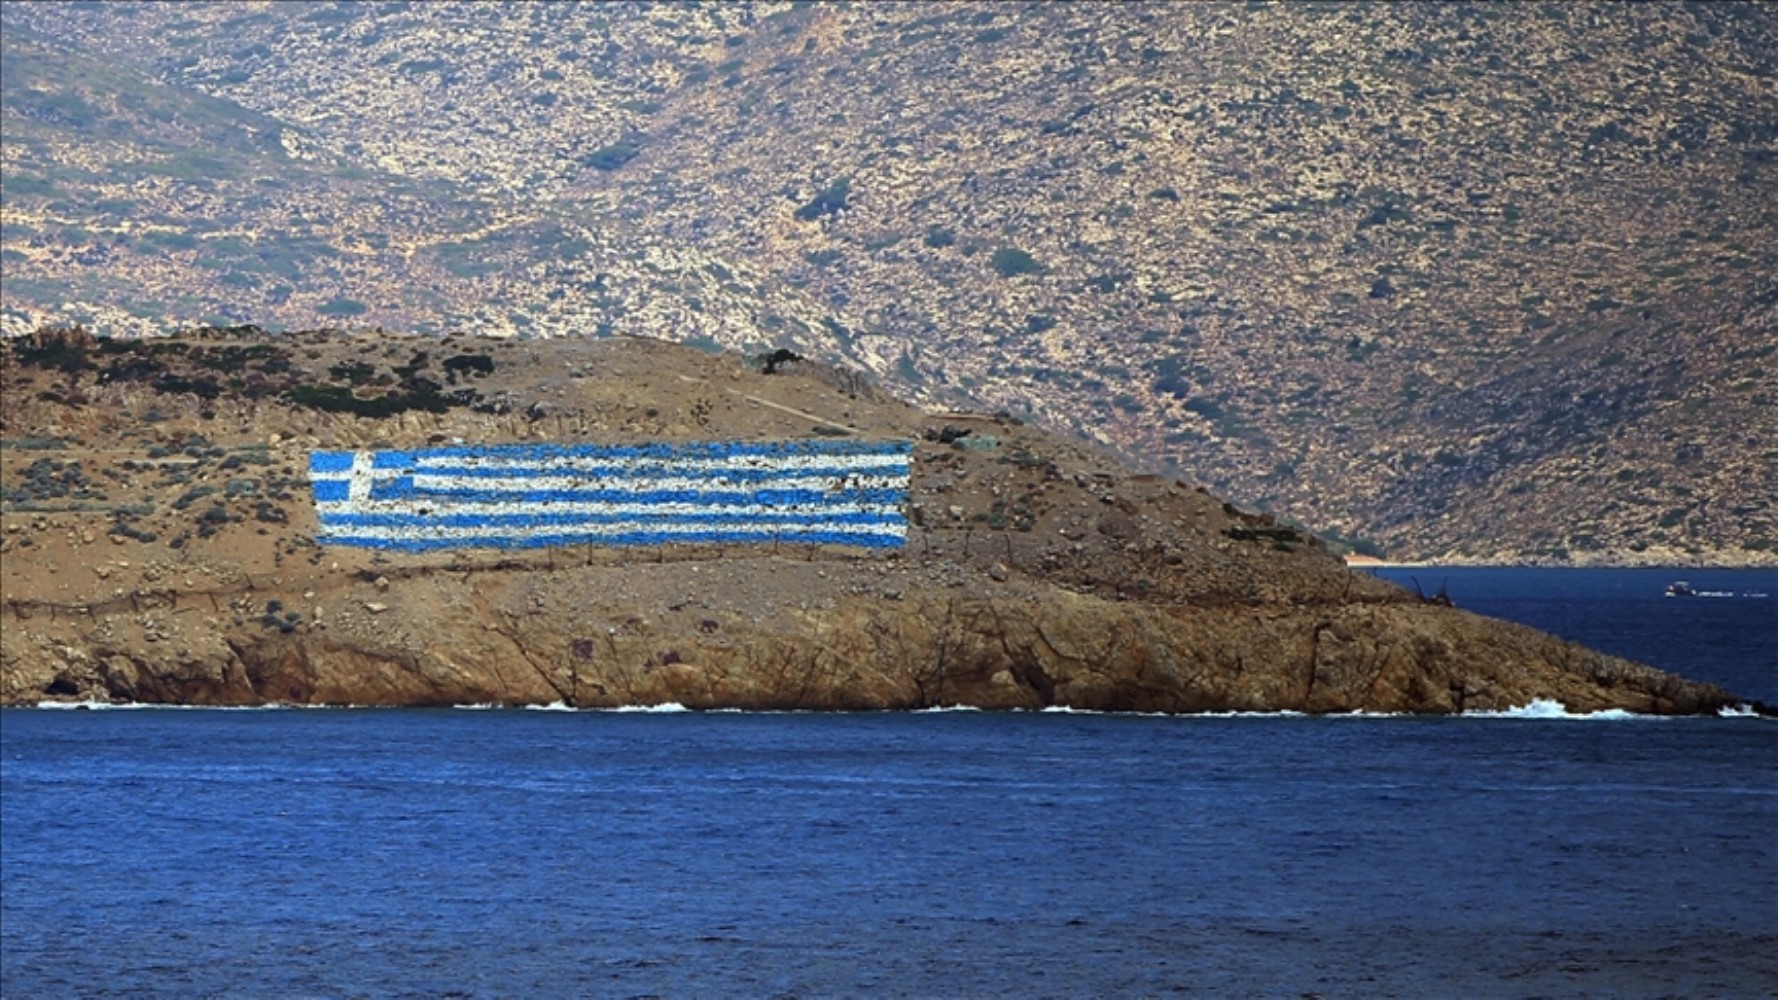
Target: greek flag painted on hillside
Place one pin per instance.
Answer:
(532, 496)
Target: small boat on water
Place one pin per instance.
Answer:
(1680, 588)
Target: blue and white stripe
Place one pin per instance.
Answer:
(531, 496)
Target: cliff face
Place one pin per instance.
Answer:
(159, 544)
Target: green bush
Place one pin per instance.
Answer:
(613, 156)
(1386, 213)
(342, 307)
(66, 353)
(829, 201)
(1010, 262)
(469, 364)
(355, 372)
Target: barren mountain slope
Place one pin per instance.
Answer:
(1481, 281)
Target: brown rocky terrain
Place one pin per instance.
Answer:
(1469, 282)
(157, 544)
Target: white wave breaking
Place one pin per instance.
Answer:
(1536, 709)
(134, 706)
(664, 708)
(1067, 710)
(1549, 708)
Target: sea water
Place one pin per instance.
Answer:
(678, 854)
(1730, 638)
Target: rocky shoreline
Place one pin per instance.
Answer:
(159, 544)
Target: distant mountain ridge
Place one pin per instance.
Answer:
(1480, 282)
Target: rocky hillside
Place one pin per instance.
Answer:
(159, 541)
(1459, 281)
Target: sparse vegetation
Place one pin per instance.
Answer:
(1287, 290)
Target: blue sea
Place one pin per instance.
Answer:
(497, 853)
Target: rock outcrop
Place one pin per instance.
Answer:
(159, 545)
